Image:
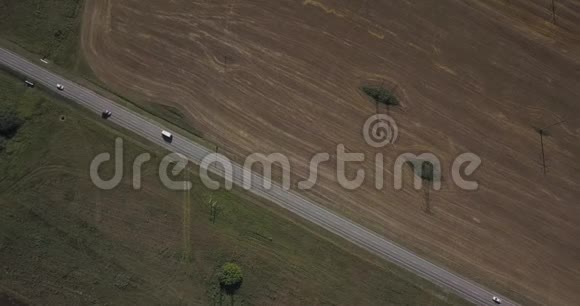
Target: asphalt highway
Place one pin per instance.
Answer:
(290, 200)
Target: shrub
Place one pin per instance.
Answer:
(380, 95)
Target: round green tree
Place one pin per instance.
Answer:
(231, 276)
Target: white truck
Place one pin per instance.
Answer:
(166, 136)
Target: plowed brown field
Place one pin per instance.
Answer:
(472, 76)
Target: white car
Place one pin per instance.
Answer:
(496, 300)
(59, 87)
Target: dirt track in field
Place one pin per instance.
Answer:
(283, 76)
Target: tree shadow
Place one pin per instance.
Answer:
(230, 291)
(428, 207)
(428, 174)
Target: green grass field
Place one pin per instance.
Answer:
(63, 241)
(51, 29)
(48, 28)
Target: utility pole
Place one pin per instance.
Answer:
(542, 132)
(543, 154)
(377, 102)
(554, 11)
(215, 210)
(392, 94)
(428, 200)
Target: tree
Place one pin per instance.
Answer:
(231, 277)
(427, 172)
(380, 95)
(9, 123)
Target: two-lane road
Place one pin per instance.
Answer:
(289, 200)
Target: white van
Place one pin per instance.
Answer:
(166, 135)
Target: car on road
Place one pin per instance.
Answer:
(166, 136)
(59, 87)
(106, 114)
(29, 83)
(496, 300)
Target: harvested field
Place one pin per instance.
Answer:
(471, 76)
